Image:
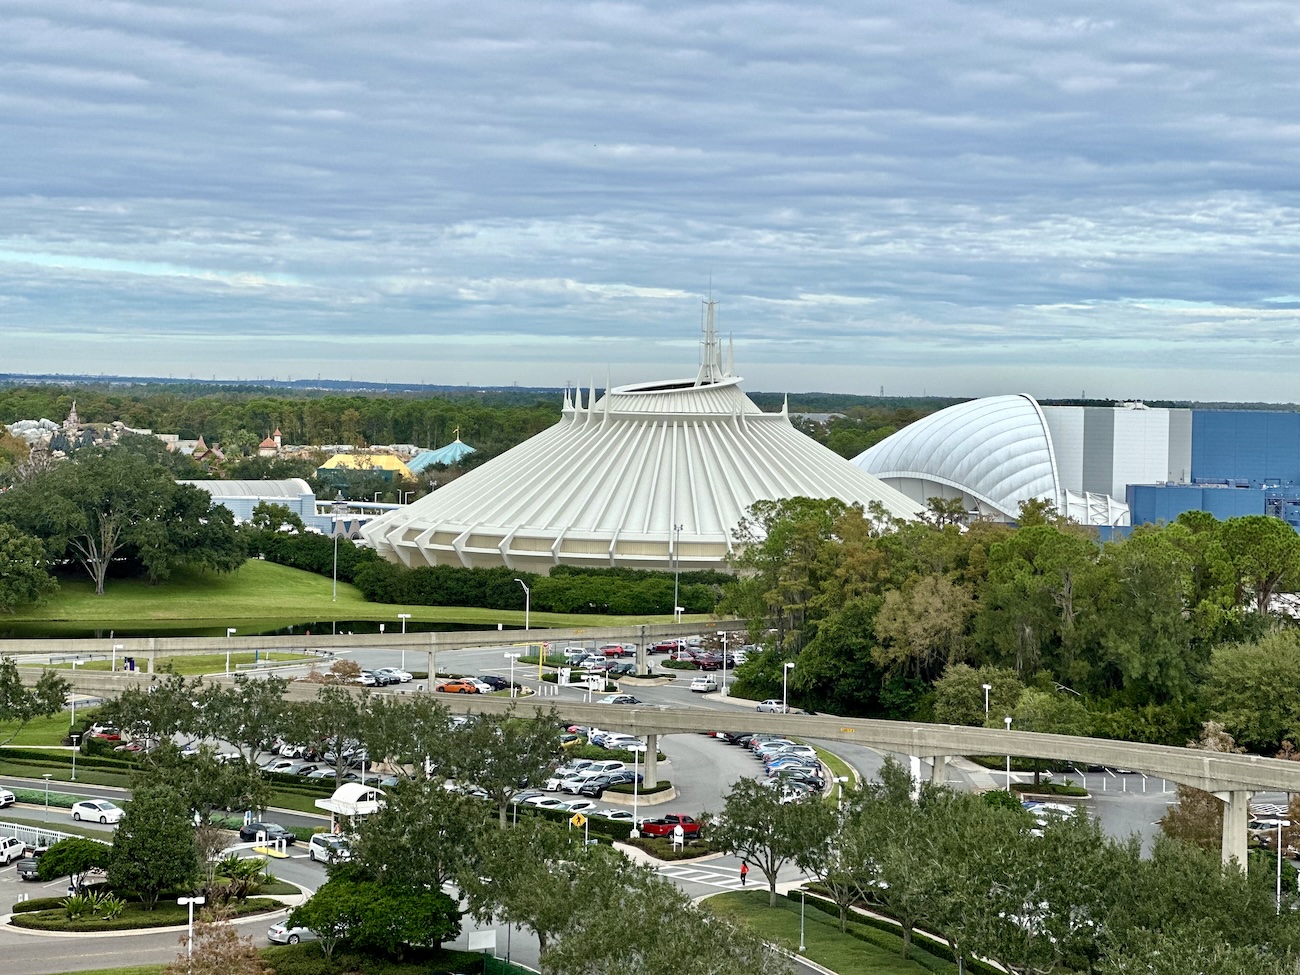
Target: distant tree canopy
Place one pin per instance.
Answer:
(1137, 638)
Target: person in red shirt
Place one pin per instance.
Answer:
(744, 872)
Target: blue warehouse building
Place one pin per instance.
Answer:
(1243, 462)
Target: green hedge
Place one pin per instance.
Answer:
(36, 904)
(59, 800)
(167, 914)
(308, 959)
(661, 847)
(627, 790)
(44, 756)
(603, 828)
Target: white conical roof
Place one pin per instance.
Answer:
(607, 484)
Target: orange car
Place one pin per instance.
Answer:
(457, 687)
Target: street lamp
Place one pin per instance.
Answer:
(1007, 719)
(46, 777)
(722, 692)
(513, 657)
(802, 903)
(785, 672)
(987, 688)
(190, 902)
(74, 757)
(528, 604)
(116, 647)
(230, 631)
(403, 617)
(1280, 824)
(839, 793)
(677, 570)
(72, 697)
(636, 766)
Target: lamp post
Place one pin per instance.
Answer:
(636, 766)
(230, 631)
(839, 792)
(785, 672)
(1280, 824)
(528, 604)
(803, 898)
(677, 571)
(403, 617)
(722, 691)
(74, 756)
(1007, 719)
(116, 647)
(340, 511)
(513, 657)
(46, 777)
(189, 938)
(987, 688)
(72, 697)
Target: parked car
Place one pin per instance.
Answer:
(10, 850)
(105, 732)
(96, 810)
(616, 815)
(544, 802)
(6, 798)
(770, 706)
(625, 743)
(494, 682)
(29, 868)
(457, 687)
(664, 825)
(595, 788)
(279, 765)
(483, 687)
(619, 699)
(365, 679)
(664, 646)
(274, 831)
(402, 676)
(705, 684)
(577, 805)
(329, 848)
(623, 670)
(282, 934)
(617, 650)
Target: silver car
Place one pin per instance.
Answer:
(283, 934)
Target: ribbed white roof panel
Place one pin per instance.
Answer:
(290, 488)
(997, 450)
(606, 485)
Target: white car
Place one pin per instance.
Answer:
(96, 810)
(771, 706)
(397, 672)
(616, 815)
(543, 802)
(328, 848)
(704, 684)
(6, 798)
(10, 849)
(577, 805)
(282, 934)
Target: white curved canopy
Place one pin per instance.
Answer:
(607, 484)
(995, 453)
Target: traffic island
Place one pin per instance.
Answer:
(51, 914)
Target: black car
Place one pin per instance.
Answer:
(382, 679)
(495, 682)
(593, 788)
(274, 831)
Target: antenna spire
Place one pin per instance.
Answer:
(711, 370)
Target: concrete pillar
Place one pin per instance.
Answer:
(651, 761)
(914, 767)
(1236, 811)
(939, 770)
(432, 668)
(152, 654)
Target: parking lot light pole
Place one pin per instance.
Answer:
(1007, 719)
(636, 766)
(230, 631)
(403, 617)
(987, 688)
(785, 672)
(677, 571)
(803, 899)
(189, 938)
(1280, 824)
(722, 691)
(513, 657)
(528, 604)
(46, 777)
(74, 757)
(116, 647)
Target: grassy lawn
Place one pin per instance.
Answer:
(838, 768)
(262, 592)
(38, 731)
(131, 970)
(58, 820)
(823, 941)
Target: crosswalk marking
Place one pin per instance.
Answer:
(694, 875)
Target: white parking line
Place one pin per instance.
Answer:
(693, 875)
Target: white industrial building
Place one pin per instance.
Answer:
(653, 475)
(997, 452)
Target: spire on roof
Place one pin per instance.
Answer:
(711, 370)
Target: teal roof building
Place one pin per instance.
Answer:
(450, 455)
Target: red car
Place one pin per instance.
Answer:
(665, 825)
(615, 650)
(664, 646)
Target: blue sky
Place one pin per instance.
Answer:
(960, 198)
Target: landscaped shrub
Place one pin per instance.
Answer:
(307, 959)
(662, 848)
(132, 916)
(626, 790)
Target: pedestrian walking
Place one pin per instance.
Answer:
(744, 872)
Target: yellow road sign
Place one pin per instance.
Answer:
(579, 820)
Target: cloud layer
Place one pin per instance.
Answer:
(950, 197)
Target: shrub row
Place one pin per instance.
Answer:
(626, 790)
(166, 915)
(308, 959)
(45, 756)
(619, 592)
(662, 848)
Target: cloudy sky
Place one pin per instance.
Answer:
(952, 197)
